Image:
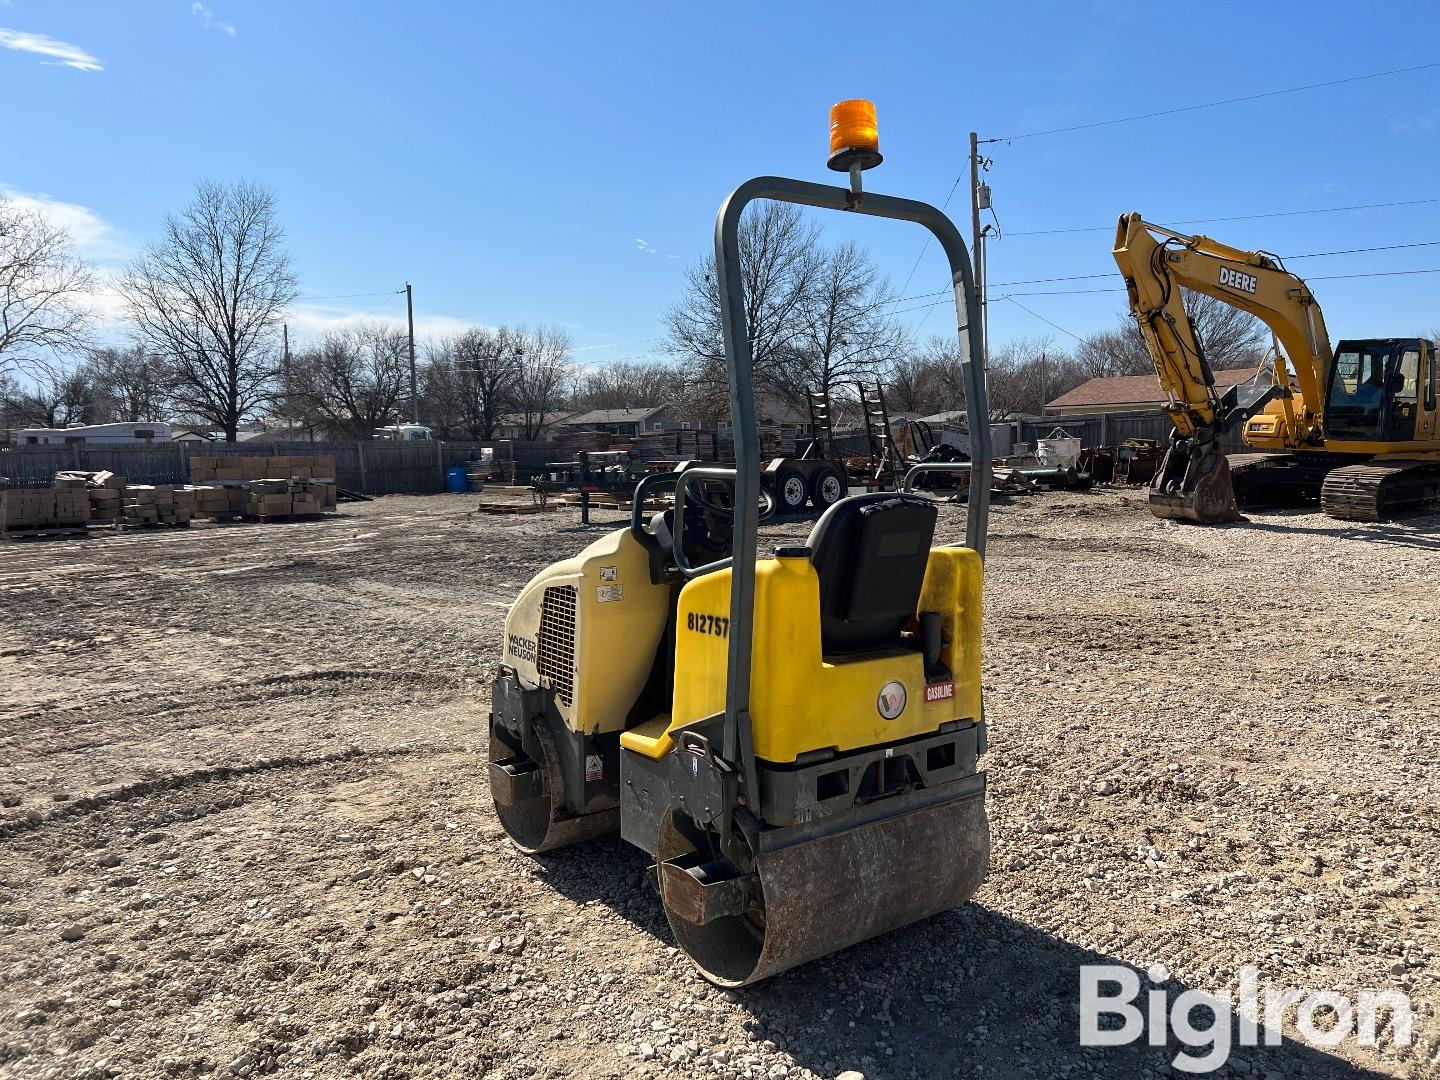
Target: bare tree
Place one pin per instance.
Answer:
(545, 371)
(479, 369)
(1230, 337)
(630, 384)
(1028, 373)
(846, 332)
(440, 390)
(208, 296)
(43, 285)
(132, 384)
(1108, 353)
(779, 261)
(908, 385)
(57, 398)
(350, 382)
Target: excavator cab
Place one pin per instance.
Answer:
(1381, 390)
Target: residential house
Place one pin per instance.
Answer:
(624, 422)
(512, 425)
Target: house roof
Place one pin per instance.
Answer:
(614, 416)
(1136, 389)
(548, 419)
(949, 416)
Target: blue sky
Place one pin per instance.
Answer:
(562, 162)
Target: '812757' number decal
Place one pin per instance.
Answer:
(701, 623)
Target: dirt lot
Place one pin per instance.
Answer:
(245, 825)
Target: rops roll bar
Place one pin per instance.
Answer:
(738, 745)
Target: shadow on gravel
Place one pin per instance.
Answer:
(976, 993)
(968, 993)
(1401, 533)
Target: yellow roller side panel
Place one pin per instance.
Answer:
(953, 587)
(619, 617)
(798, 701)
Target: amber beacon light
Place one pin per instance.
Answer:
(854, 135)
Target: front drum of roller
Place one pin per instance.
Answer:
(821, 895)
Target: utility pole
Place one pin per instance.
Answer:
(285, 366)
(414, 391)
(977, 238)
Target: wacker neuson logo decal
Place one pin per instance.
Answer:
(1323, 1019)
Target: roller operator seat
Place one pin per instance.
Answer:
(870, 553)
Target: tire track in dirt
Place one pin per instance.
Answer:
(90, 804)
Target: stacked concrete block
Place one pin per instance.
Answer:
(104, 493)
(27, 509)
(242, 468)
(157, 504)
(297, 497)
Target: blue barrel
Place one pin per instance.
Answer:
(456, 479)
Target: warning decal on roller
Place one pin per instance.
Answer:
(942, 691)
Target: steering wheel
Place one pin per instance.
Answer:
(709, 517)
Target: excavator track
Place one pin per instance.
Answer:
(1379, 490)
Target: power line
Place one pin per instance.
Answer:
(1239, 217)
(614, 344)
(1357, 251)
(925, 246)
(1112, 273)
(1377, 273)
(1223, 101)
(1042, 318)
(352, 296)
(1092, 292)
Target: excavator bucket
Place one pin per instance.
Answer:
(1194, 484)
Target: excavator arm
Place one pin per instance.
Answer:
(1193, 482)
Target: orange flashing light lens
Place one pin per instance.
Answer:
(853, 126)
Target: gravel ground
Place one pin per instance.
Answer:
(244, 824)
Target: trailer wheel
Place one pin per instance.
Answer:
(790, 491)
(827, 487)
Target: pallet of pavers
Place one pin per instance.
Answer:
(37, 513)
(104, 490)
(305, 479)
(295, 498)
(220, 502)
(157, 504)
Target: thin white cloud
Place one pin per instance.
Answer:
(209, 21)
(1416, 124)
(648, 249)
(61, 53)
(94, 237)
(313, 320)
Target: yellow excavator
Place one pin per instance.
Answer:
(792, 740)
(1354, 425)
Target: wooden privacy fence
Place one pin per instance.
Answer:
(374, 467)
